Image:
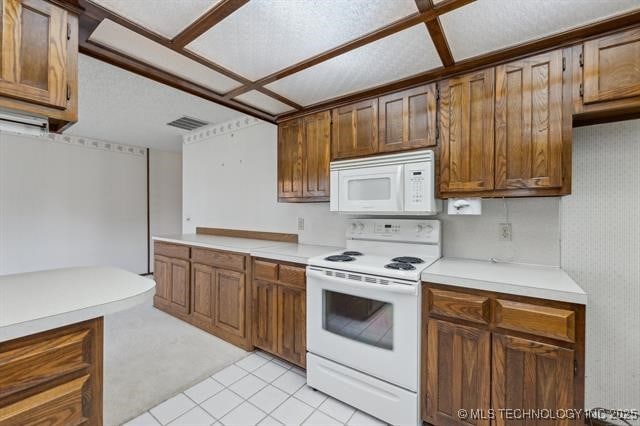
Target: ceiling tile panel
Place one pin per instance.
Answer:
(487, 25)
(166, 17)
(263, 102)
(265, 36)
(392, 58)
(136, 46)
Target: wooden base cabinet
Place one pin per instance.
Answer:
(53, 377)
(206, 288)
(279, 310)
(493, 352)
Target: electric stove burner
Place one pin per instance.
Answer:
(352, 253)
(400, 266)
(407, 259)
(339, 258)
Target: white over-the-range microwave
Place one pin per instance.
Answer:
(394, 184)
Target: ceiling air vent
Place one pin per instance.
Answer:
(187, 123)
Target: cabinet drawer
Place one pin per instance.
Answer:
(536, 319)
(221, 259)
(60, 405)
(265, 270)
(171, 250)
(39, 361)
(293, 275)
(460, 305)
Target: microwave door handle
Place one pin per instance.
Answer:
(392, 288)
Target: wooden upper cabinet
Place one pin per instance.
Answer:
(528, 123)
(408, 119)
(355, 130)
(531, 375)
(612, 67)
(316, 144)
(458, 373)
(466, 131)
(290, 159)
(34, 52)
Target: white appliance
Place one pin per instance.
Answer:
(22, 124)
(363, 316)
(388, 184)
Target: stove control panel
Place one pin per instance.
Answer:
(400, 230)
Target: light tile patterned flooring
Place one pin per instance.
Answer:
(257, 390)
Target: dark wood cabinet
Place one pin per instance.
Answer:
(466, 133)
(485, 350)
(528, 374)
(279, 310)
(229, 300)
(206, 288)
(354, 130)
(407, 119)
(303, 158)
(529, 119)
(53, 377)
(458, 372)
(39, 60)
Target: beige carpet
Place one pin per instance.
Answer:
(150, 356)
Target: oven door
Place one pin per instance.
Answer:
(373, 328)
(371, 189)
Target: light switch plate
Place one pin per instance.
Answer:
(301, 224)
(464, 206)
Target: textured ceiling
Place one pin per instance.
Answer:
(164, 17)
(265, 36)
(118, 106)
(263, 102)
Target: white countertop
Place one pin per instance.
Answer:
(38, 301)
(291, 252)
(241, 245)
(288, 252)
(545, 282)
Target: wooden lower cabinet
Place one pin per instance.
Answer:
(458, 371)
(53, 377)
(206, 288)
(279, 310)
(476, 355)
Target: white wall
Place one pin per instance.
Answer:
(63, 205)
(165, 193)
(230, 182)
(600, 224)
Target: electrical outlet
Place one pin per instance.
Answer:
(504, 232)
(301, 224)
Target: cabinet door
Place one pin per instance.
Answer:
(408, 119)
(202, 288)
(180, 278)
(162, 276)
(292, 325)
(229, 300)
(264, 314)
(458, 372)
(290, 159)
(355, 130)
(34, 52)
(529, 122)
(612, 67)
(531, 375)
(466, 130)
(316, 143)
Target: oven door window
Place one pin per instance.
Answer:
(364, 320)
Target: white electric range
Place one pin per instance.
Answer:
(363, 316)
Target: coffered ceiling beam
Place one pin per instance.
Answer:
(555, 41)
(436, 33)
(207, 21)
(135, 66)
(397, 26)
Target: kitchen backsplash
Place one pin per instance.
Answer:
(229, 181)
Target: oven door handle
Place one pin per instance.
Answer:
(391, 287)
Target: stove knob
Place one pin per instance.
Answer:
(354, 226)
(424, 228)
(360, 226)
